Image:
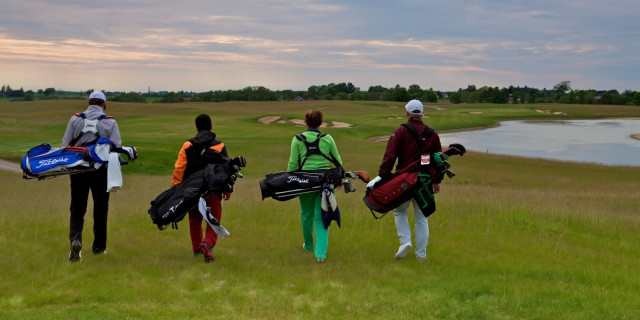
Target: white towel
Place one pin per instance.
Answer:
(114, 173)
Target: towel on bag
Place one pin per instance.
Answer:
(329, 206)
(114, 173)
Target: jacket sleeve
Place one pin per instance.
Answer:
(68, 134)
(294, 156)
(334, 150)
(114, 135)
(390, 154)
(181, 165)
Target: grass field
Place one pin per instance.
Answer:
(513, 238)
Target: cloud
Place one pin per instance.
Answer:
(284, 43)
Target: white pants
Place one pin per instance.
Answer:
(404, 230)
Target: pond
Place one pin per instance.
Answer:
(604, 141)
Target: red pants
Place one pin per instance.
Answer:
(195, 224)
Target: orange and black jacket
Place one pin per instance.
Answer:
(190, 157)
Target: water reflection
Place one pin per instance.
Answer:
(605, 141)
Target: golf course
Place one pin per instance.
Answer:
(512, 237)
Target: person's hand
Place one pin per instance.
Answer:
(226, 196)
(373, 182)
(436, 187)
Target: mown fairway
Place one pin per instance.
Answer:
(513, 238)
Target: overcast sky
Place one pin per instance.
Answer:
(200, 45)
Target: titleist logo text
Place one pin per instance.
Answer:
(291, 179)
(51, 162)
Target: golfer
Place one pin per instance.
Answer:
(190, 160)
(402, 146)
(310, 203)
(83, 130)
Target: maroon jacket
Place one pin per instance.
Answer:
(402, 145)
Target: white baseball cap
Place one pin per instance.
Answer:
(97, 95)
(414, 108)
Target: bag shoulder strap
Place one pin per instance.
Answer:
(428, 131)
(314, 148)
(90, 126)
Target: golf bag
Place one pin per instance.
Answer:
(284, 185)
(413, 182)
(44, 162)
(393, 191)
(170, 206)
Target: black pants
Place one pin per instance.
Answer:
(81, 183)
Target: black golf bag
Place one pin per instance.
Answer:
(172, 205)
(285, 185)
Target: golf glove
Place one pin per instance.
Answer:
(373, 182)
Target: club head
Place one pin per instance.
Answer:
(348, 186)
(450, 173)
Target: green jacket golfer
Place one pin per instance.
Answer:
(310, 203)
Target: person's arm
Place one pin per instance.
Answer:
(294, 156)
(333, 150)
(390, 154)
(180, 165)
(68, 134)
(114, 135)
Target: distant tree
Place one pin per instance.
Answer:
(414, 89)
(351, 88)
(128, 97)
(312, 92)
(342, 96)
(518, 96)
(636, 98)
(377, 88)
(429, 96)
(49, 91)
(585, 96)
(29, 95)
(171, 97)
(400, 94)
(563, 86)
(455, 97)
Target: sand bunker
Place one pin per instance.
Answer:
(475, 112)
(268, 119)
(341, 124)
(558, 113)
(379, 139)
(300, 122)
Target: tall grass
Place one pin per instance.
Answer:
(512, 238)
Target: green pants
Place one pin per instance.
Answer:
(311, 215)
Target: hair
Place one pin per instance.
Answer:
(95, 102)
(203, 122)
(313, 118)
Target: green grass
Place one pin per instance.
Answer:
(513, 238)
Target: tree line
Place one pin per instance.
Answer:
(561, 93)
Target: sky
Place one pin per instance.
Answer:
(202, 45)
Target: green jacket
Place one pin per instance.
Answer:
(298, 152)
